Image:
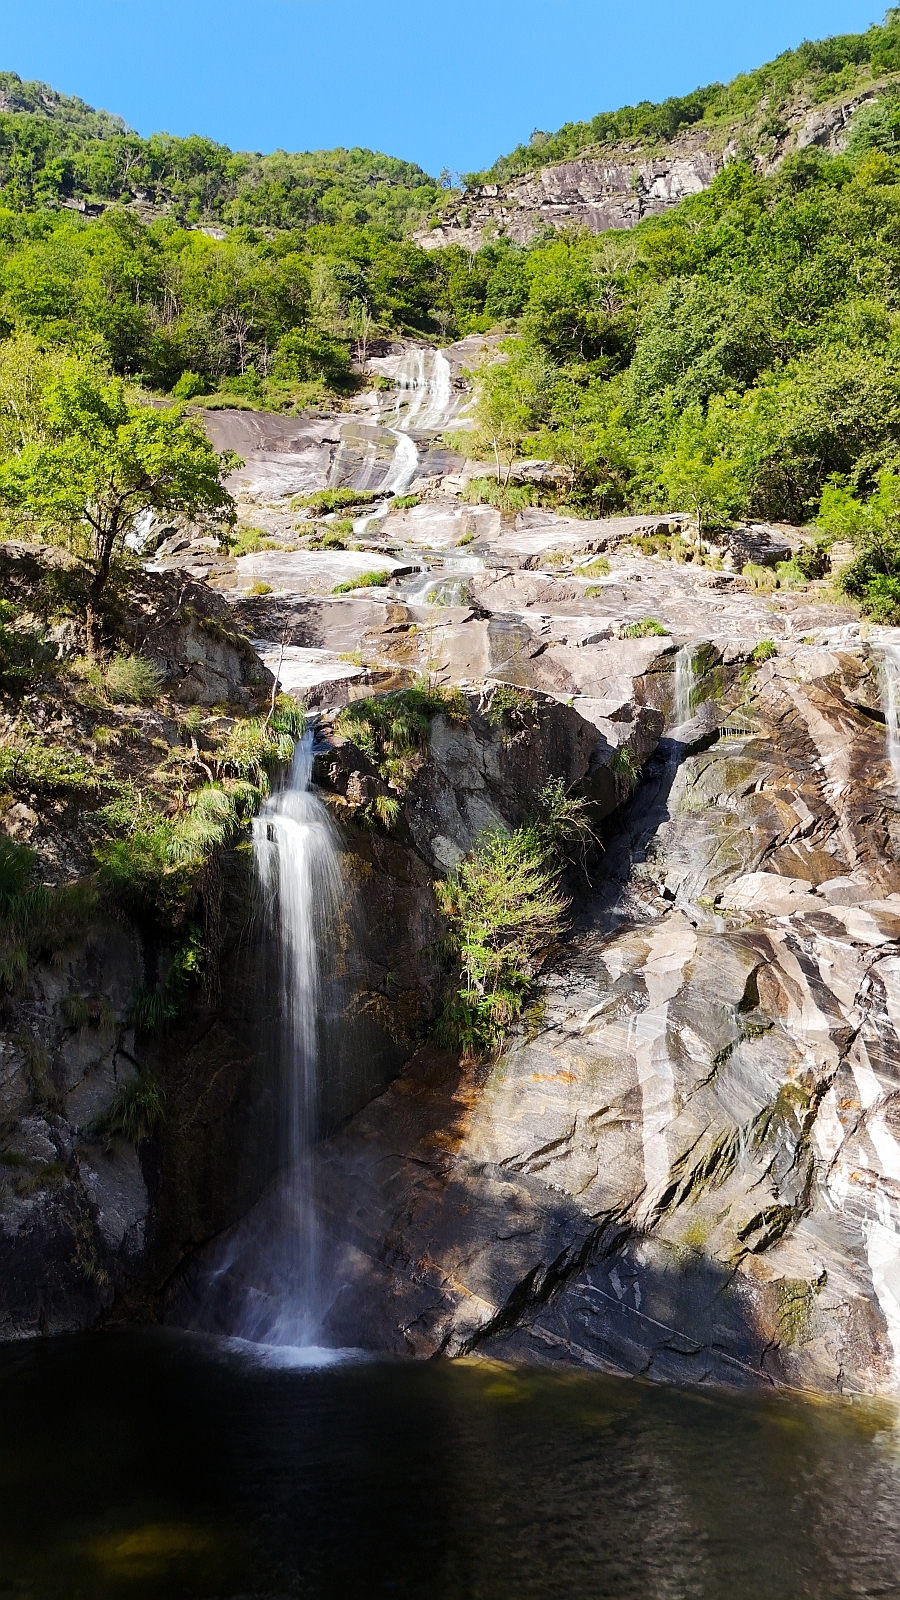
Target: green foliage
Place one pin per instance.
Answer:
(511, 708)
(489, 492)
(35, 920)
(597, 568)
(366, 580)
(764, 651)
(325, 500)
(132, 679)
(873, 577)
(153, 1008)
(647, 628)
(504, 907)
(393, 729)
(137, 1109)
(89, 461)
(626, 769)
(404, 502)
(46, 769)
(764, 579)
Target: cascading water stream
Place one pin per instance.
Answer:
(684, 686)
(890, 695)
(265, 1283)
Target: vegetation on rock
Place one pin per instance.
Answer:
(504, 909)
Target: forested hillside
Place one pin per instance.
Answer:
(739, 356)
(55, 150)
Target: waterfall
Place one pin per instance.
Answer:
(890, 695)
(684, 686)
(264, 1280)
(404, 466)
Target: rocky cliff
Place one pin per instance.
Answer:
(683, 1161)
(617, 186)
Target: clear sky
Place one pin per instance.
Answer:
(453, 84)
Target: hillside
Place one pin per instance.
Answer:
(755, 105)
(58, 151)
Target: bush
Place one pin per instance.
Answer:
(136, 1110)
(598, 568)
(392, 729)
(504, 907)
(260, 588)
(505, 496)
(325, 500)
(133, 679)
(510, 707)
(189, 385)
(647, 628)
(763, 579)
(366, 580)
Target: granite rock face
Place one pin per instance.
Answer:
(617, 187)
(686, 1165)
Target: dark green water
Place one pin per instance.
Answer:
(152, 1464)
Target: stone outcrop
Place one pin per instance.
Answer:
(684, 1166)
(618, 186)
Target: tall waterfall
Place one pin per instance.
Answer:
(263, 1280)
(684, 686)
(890, 689)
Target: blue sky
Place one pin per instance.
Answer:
(443, 84)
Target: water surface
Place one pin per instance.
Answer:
(153, 1463)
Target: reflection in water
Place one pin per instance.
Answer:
(157, 1464)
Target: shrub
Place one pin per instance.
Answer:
(467, 538)
(189, 385)
(325, 500)
(647, 628)
(405, 502)
(598, 568)
(260, 588)
(790, 575)
(505, 496)
(764, 651)
(132, 679)
(504, 907)
(136, 1110)
(249, 542)
(510, 707)
(366, 580)
(392, 729)
(763, 579)
(46, 769)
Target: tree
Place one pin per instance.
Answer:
(873, 525)
(90, 462)
(511, 401)
(695, 477)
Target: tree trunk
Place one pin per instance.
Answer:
(105, 545)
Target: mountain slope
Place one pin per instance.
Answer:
(58, 151)
(757, 104)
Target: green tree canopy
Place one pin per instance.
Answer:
(84, 462)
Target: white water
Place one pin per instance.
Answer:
(684, 686)
(890, 693)
(271, 1269)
